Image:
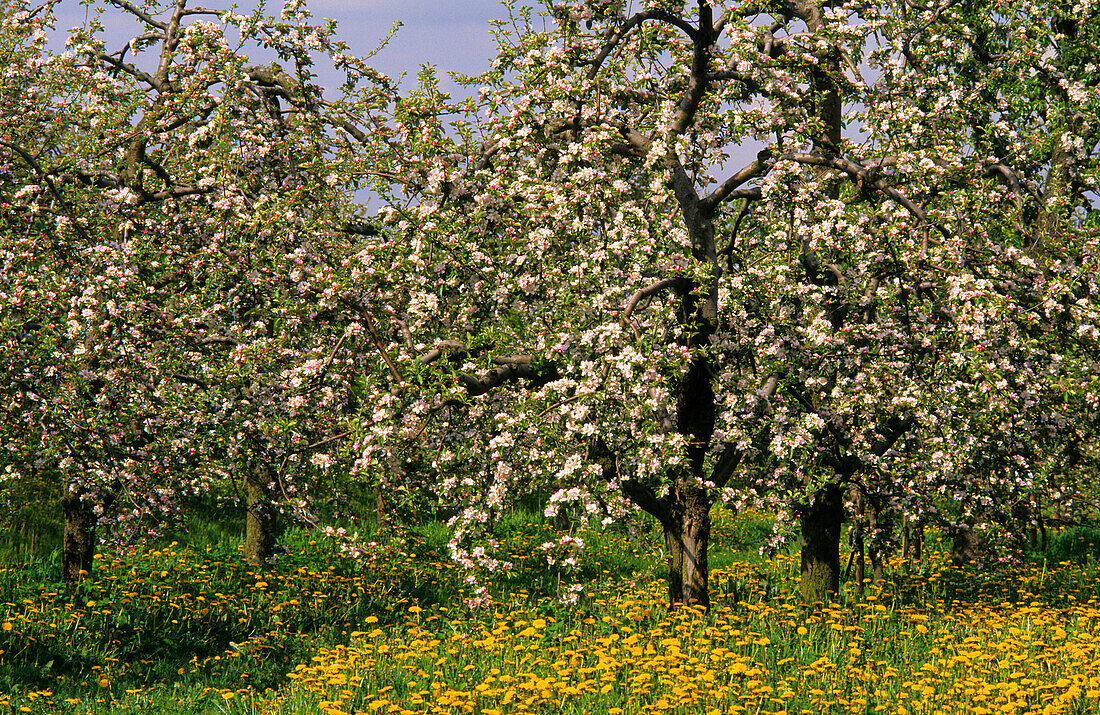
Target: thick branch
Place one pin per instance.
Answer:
(171, 42)
(727, 190)
(862, 177)
(191, 381)
(645, 499)
(643, 293)
(454, 348)
(700, 65)
(517, 368)
(219, 340)
(624, 29)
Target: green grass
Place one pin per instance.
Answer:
(172, 628)
(187, 627)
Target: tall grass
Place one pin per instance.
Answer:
(186, 627)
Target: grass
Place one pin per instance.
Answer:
(188, 628)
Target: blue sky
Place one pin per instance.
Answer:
(453, 35)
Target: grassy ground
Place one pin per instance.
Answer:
(187, 628)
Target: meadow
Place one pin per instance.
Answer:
(188, 628)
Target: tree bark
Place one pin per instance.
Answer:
(821, 544)
(860, 562)
(916, 542)
(78, 547)
(260, 519)
(881, 532)
(687, 538)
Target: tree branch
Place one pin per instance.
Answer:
(863, 177)
(516, 368)
(456, 350)
(619, 33)
(727, 189)
(731, 456)
(33, 163)
(643, 293)
(645, 499)
(728, 250)
(698, 81)
(378, 344)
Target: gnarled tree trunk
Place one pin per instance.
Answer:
(78, 547)
(260, 520)
(821, 524)
(687, 537)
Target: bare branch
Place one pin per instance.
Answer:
(767, 392)
(442, 348)
(480, 384)
(514, 360)
(176, 192)
(203, 11)
(620, 33)
(191, 381)
(378, 344)
(863, 177)
(138, 13)
(727, 189)
(219, 340)
(140, 75)
(643, 293)
(728, 250)
(405, 332)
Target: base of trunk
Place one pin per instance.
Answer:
(687, 536)
(78, 546)
(261, 535)
(821, 545)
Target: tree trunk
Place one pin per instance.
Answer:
(821, 544)
(857, 545)
(882, 533)
(78, 547)
(260, 519)
(967, 546)
(916, 542)
(687, 537)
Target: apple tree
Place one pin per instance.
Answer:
(174, 217)
(779, 253)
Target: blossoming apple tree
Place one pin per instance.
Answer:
(788, 252)
(174, 215)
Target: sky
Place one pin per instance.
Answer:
(451, 34)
